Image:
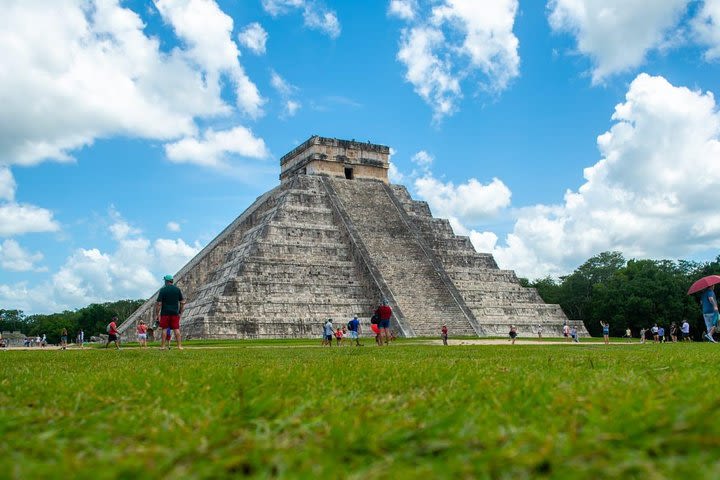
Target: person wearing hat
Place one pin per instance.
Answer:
(328, 333)
(168, 308)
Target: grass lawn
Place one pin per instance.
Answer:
(253, 409)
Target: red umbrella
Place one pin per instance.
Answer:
(703, 283)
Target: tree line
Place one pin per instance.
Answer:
(631, 294)
(92, 320)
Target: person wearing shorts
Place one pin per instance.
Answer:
(710, 311)
(685, 330)
(354, 328)
(606, 331)
(169, 307)
(63, 339)
(142, 333)
(513, 334)
(113, 333)
(384, 313)
(328, 333)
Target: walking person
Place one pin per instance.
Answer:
(142, 334)
(513, 334)
(628, 334)
(685, 330)
(566, 332)
(354, 328)
(63, 339)
(643, 331)
(673, 332)
(606, 331)
(661, 334)
(654, 331)
(168, 309)
(113, 333)
(574, 335)
(444, 334)
(384, 313)
(710, 311)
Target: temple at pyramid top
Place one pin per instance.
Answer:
(336, 158)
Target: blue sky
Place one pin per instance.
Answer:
(133, 132)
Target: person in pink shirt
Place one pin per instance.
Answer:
(142, 333)
(113, 333)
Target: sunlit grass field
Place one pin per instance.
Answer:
(293, 410)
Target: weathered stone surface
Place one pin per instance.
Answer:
(324, 246)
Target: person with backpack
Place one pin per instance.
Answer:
(354, 329)
(113, 333)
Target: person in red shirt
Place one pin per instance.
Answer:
(113, 333)
(384, 313)
(444, 334)
(142, 333)
(338, 336)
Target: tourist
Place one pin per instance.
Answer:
(81, 338)
(654, 331)
(685, 330)
(384, 313)
(642, 335)
(376, 330)
(142, 333)
(661, 334)
(328, 333)
(606, 331)
(168, 309)
(710, 311)
(338, 336)
(673, 332)
(354, 328)
(113, 333)
(574, 335)
(539, 331)
(628, 334)
(513, 334)
(43, 341)
(444, 334)
(63, 339)
(566, 332)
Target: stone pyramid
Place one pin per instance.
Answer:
(332, 240)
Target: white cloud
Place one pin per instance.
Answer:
(173, 226)
(394, 174)
(7, 184)
(422, 159)
(315, 15)
(470, 202)
(404, 9)
(456, 40)
(133, 270)
(706, 26)
(14, 257)
(16, 219)
(616, 34)
(215, 148)
(284, 88)
(291, 107)
(254, 37)
(89, 71)
(208, 32)
(649, 196)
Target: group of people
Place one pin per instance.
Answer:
(379, 323)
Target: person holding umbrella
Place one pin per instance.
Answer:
(710, 311)
(708, 300)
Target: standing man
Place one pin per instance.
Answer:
(685, 330)
(81, 338)
(168, 308)
(710, 311)
(384, 313)
(113, 333)
(444, 333)
(354, 327)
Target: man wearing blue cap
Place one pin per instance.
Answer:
(168, 308)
